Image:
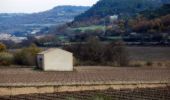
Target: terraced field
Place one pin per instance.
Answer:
(110, 94)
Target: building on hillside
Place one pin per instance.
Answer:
(114, 18)
(55, 60)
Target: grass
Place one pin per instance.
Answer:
(149, 56)
(93, 27)
(114, 38)
(139, 56)
(149, 53)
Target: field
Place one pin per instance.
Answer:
(149, 53)
(138, 55)
(97, 75)
(83, 75)
(149, 56)
(95, 27)
(110, 94)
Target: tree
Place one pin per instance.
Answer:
(94, 52)
(116, 53)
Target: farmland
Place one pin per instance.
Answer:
(155, 56)
(90, 77)
(93, 27)
(149, 53)
(110, 94)
(82, 75)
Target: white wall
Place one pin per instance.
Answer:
(58, 60)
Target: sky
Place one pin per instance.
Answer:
(32, 6)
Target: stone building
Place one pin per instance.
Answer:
(55, 59)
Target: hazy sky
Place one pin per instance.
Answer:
(30, 6)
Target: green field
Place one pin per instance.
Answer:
(93, 27)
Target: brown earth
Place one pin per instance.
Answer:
(83, 75)
(110, 94)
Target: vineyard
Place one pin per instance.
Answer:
(110, 94)
(85, 78)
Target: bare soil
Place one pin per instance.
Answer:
(110, 94)
(82, 75)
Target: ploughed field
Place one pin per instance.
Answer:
(83, 75)
(162, 93)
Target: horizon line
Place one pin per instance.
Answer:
(43, 10)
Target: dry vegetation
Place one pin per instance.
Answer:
(149, 56)
(25, 56)
(94, 52)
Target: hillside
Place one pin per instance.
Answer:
(123, 8)
(162, 11)
(20, 24)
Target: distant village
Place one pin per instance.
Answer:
(10, 37)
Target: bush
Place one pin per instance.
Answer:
(6, 59)
(89, 53)
(136, 65)
(76, 62)
(149, 63)
(27, 56)
(94, 52)
(159, 64)
(2, 47)
(116, 53)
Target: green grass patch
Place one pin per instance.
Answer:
(114, 37)
(93, 27)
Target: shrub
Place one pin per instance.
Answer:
(159, 64)
(149, 63)
(116, 53)
(136, 65)
(27, 56)
(167, 64)
(75, 61)
(2, 47)
(6, 59)
(94, 52)
(88, 53)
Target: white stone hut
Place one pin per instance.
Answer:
(55, 59)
